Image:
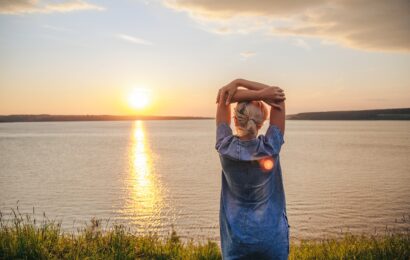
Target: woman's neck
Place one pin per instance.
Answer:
(246, 137)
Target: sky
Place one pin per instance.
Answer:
(87, 56)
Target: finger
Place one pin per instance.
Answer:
(217, 97)
(228, 99)
(276, 106)
(220, 97)
(278, 93)
(268, 102)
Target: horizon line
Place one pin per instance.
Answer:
(191, 116)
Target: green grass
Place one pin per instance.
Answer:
(22, 237)
(387, 246)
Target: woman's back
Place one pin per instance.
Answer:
(253, 209)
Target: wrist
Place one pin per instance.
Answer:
(257, 94)
(237, 82)
(260, 94)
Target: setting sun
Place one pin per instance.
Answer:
(139, 98)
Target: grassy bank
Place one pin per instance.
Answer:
(22, 237)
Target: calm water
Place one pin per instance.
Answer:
(338, 176)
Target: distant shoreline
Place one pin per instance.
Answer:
(374, 114)
(68, 118)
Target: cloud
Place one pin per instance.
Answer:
(133, 39)
(14, 7)
(229, 8)
(301, 43)
(247, 54)
(366, 24)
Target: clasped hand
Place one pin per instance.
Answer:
(271, 95)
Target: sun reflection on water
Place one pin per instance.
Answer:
(143, 207)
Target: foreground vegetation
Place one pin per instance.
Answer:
(21, 237)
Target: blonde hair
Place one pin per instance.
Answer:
(249, 117)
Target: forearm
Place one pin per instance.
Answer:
(278, 116)
(246, 95)
(251, 85)
(223, 113)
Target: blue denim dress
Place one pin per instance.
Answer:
(252, 216)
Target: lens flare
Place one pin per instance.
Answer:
(267, 164)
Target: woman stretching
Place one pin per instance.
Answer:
(252, 217)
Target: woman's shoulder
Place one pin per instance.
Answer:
(230, 145)
(245, 150)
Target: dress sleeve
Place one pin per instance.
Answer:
(223, 130)
(274, 138)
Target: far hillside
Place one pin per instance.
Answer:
(53, 118)
(376, 114)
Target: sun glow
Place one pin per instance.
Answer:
(139, 98)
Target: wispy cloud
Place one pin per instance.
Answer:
(366, 24)
(247, 54)
(133, 39)
(15, 7)
(302, 44)
(72, 6)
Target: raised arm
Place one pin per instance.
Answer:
(277, 117)
(254, 91)
(223, 113)
(230, 93)
(277, 110)
(226, 93)
(272, 97)
(251, 85)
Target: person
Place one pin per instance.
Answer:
(252, 217)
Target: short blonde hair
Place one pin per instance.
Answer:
(249, 117)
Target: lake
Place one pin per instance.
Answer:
(154, 175)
